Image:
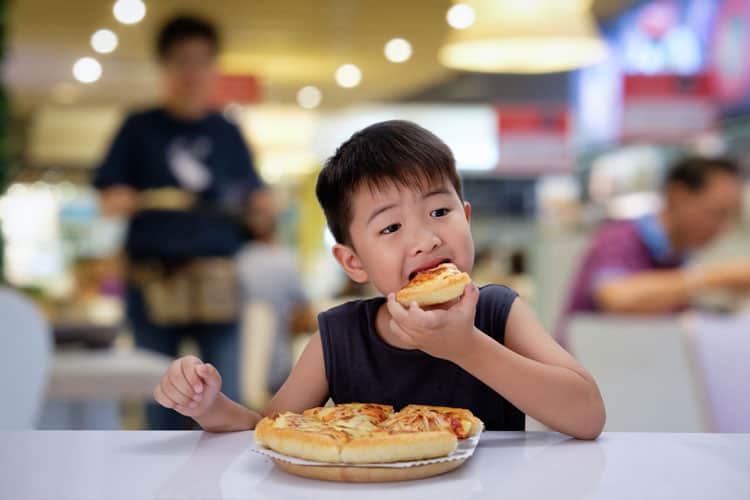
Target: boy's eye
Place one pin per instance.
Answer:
(440, 212)
(391, 229)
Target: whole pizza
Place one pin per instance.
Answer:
(367, 433)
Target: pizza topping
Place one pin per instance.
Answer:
(356, 420)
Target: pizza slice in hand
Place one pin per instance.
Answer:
(434, 286)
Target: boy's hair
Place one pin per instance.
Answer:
(185, 27)
(694, 171)
(392, 152)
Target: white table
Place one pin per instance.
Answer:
(534, 465)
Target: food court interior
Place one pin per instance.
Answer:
(551, 141)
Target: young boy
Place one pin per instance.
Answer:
(393, 201)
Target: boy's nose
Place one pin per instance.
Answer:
(425, 242)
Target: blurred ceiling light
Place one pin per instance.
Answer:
(129, 11)
(526, 37)
(460, 16)
(87, 70)
(309, 97)
(398, 50)
(65, 93)
(104, 41)
(348, 76)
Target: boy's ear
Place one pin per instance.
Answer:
(467, 210)
(347, 258)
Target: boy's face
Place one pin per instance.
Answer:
(397, 231)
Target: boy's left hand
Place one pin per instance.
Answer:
(442, 333)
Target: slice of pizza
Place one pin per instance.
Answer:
(459, 421)
(434, 286)
(301, 436)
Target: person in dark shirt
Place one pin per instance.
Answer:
(393, 201)
(185, 178)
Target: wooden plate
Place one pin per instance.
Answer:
(368, 474)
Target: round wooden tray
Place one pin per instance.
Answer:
(368, 474)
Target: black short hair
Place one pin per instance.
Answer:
(694, 171)
(391, 152)
(185, 27)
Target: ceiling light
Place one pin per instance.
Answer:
(309, 97)
(348, 75)
(398, 50)
(87, 70)
(129, 11)
(460, 16)
(526, 37)
(104, 41)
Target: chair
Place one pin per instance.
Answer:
(257, 343)
(645, 372)
(25, 357)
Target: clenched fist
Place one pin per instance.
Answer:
(189, 386)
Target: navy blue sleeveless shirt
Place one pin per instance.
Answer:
(361, 367)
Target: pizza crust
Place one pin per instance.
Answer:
(434, 286)
(296, 443)
(387, 448)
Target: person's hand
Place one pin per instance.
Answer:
(732, 274)
(189, 387)
(442, 333)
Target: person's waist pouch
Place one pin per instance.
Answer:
(199, 290)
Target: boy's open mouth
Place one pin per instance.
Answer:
(428, 265)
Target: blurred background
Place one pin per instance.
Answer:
(562, 114)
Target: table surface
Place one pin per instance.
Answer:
(150, 464)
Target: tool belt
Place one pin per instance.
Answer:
(199, 290)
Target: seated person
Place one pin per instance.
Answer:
(268, 273)
(638, 266)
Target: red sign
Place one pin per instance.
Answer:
(534, 139)
(667, 107)
(241, 89)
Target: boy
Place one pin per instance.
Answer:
(393, 201)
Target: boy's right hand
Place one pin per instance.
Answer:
(189, 387)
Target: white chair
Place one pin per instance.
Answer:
(644, 370)
(25, 354)
(721, 347)
(257, 343)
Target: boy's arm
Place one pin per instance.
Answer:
(531, 370)
(307, 384)
(537, 375)
(306, 387)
